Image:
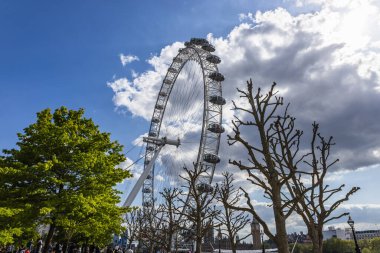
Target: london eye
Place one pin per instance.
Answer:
(188, 115)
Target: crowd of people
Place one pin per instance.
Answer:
(59, 248)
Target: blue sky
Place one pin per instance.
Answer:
(55, 53)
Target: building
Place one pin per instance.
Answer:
(367, 234)
(120, 240)
(332, 232)
(298, 237)
(255, 231)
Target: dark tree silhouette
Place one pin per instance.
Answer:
(199, 210)
(133, 222)
(232, 221)
(276, 166)
(317, 206)
(171, 219)
(265, 165)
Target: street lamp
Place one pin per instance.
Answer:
(219, 237)
(262, 240)
(351, 223)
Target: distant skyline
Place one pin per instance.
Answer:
(324, 55)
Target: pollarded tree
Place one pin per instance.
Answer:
(317, 206)
(171, 219)
(162, 231)
(232, 221)
(198, 205)
(275, 165)
(133, 223)
(267, 166)
(63, 162)
(150, 235)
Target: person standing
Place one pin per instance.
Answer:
(39, 246)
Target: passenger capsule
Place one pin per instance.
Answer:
(211, 158)
(147, 204)
(216, 76)
(149, 177)
(159, 107)
(204, 188)
(150, 148)
(147, 190)
(218, 100)
(152, 134)
(162, 94)
(178, 60)
(198, 41)
(213, 59)
(215, 128)
(172, 70)
(183, 50)
(208, 47)
(167, 81)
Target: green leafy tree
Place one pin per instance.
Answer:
(64, 171)
(335, 245)
(370, 246)
(8, 231)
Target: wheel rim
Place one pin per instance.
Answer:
(200, 52)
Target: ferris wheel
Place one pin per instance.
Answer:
(188, 117)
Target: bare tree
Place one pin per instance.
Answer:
(275, 165)
(198, 211)
(233, 220)
(133, 221)
(317, 206)
(273, 160)
(169, 213)
(150, 234)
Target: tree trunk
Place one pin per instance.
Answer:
(198, 246)
(233, 246)
(317, 242)
(282, 243)
(281, 236)
(49, 237)
(151, 248)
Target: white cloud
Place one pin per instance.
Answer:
(125, 59)
(139, 95)
(365, 216)
(160, 178)
(326, 63)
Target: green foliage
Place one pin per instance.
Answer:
(302, 248)
(7, 235)
(13, 223)
(370, 246)
(335, 245)
(63, 173)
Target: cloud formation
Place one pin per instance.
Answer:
(326, 67)
(325, 62)
(125, 59)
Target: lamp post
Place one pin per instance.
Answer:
(351, 223)
(262, 240)
(219, 237)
